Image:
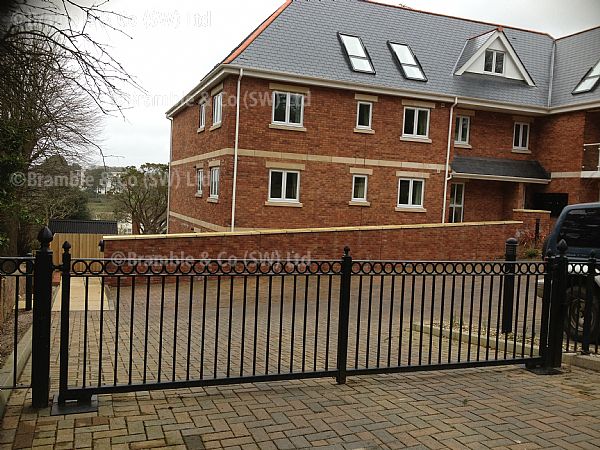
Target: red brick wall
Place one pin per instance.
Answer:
(429, 242)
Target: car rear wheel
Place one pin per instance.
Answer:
(576, 299)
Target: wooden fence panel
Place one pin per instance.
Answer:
(82, 245)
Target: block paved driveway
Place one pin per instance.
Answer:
(475, 408)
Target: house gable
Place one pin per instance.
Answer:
(473, 58)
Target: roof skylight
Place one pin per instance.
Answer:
(407, 61)
(357, 53)
(589, 81)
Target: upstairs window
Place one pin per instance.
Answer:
(521, 136)
(214, 182)
(217, 108)
(284, 186)
(199, 181)
(461, 130)
(589, 81)
(494, 62)
(363, 115)
(202, 116)
(288, 108)
(408, 62)
(416, 122)
(359, 188)
(356, 53)
(410, 193)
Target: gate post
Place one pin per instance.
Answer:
(558, 308)
(550, 270)
(509, 285)
(587, 313)
(64, 323)
(42, 295)
(344, 317)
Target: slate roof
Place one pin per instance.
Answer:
(302, 40)
(499, 167)
(471, 47)
(83, 226)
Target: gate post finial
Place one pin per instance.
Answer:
(45, 236)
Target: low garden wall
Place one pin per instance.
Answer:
(465, 241)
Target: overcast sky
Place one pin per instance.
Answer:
(175, 43)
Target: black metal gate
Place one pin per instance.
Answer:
(132, 325)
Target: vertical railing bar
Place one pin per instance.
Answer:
(535, 300)
(525, 307)
(380, 317)
(517, 302)
(256, 301)
(217, 320)
(160, 326)
(452, 313)
(16, 331)
(131, 330)
(189, 336)
(480, 316)
(358, 311)
(318, 301)
(401, 322)
(203, 332)
(390, 325)
(230, 326)
(100, 343)
(463, 280)
(489, 317)
(117, 312)
(244, 306)
(175, 328)
(471, 304)
(368, 349)
(499, 314)
(293, 329)
(269, 308)
(330, 281)
(146, 324)
(442, 309)
(281, 302)
(431, 317)
(85, 328)
(305, 316)
(412, 316)
(422, 322)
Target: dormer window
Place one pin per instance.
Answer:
(589, 81)
(407, 62)
(357, 53)
(494, 62)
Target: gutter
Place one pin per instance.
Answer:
(447, 175)
(235, 148)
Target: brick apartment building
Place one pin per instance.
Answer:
(357, 113)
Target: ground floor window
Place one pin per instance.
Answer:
(457, 201)
(284, 185)
(214, 182)
(359, 188)
(410, 193)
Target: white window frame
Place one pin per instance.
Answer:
(215, 174)
(218, 108)
(410, 192)
(287, 109)
(457, 136)
(453, 205)
(520, 147)
(354, 177)
(199, 182)
(202, 118)
(284, 186)
(416, 122)
(495, 53)
(364, 127)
